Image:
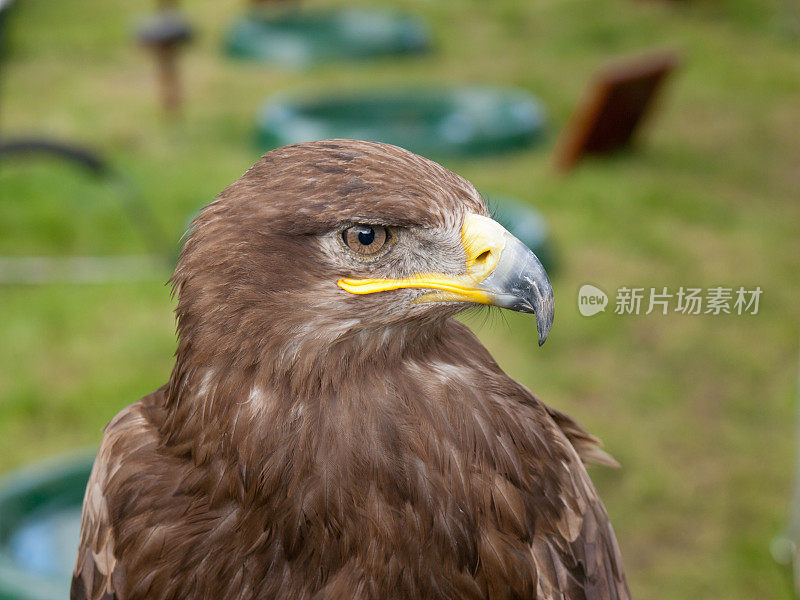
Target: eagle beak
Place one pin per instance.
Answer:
(500, 271)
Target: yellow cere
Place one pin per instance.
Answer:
(483, 240)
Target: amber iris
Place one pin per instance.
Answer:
(365, 239)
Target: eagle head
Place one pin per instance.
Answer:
(341, 240)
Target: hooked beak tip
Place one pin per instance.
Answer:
(544, 319)
(519, 282)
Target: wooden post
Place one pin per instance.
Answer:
(164, 34)
(168, 78)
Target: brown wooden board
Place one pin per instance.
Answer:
(616, 102)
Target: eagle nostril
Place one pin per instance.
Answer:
(481, 259)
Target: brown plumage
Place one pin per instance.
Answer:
(314, 443)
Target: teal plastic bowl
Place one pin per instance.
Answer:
(468, 121)
(299, 38)
(40, 516)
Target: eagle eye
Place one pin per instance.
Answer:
(366, 239)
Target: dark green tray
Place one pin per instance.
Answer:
(40, 512)
(438, 123)
(299, 38)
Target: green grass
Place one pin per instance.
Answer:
(699, 410)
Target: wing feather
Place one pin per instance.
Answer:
(581, 561)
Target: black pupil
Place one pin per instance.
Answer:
(366, 236)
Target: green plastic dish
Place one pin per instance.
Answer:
(40, 515)
(468, 121)
(299, 38)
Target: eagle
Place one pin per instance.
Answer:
(329, 429)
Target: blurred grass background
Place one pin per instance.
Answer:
(699, 410)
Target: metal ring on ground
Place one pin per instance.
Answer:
(89, 269)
